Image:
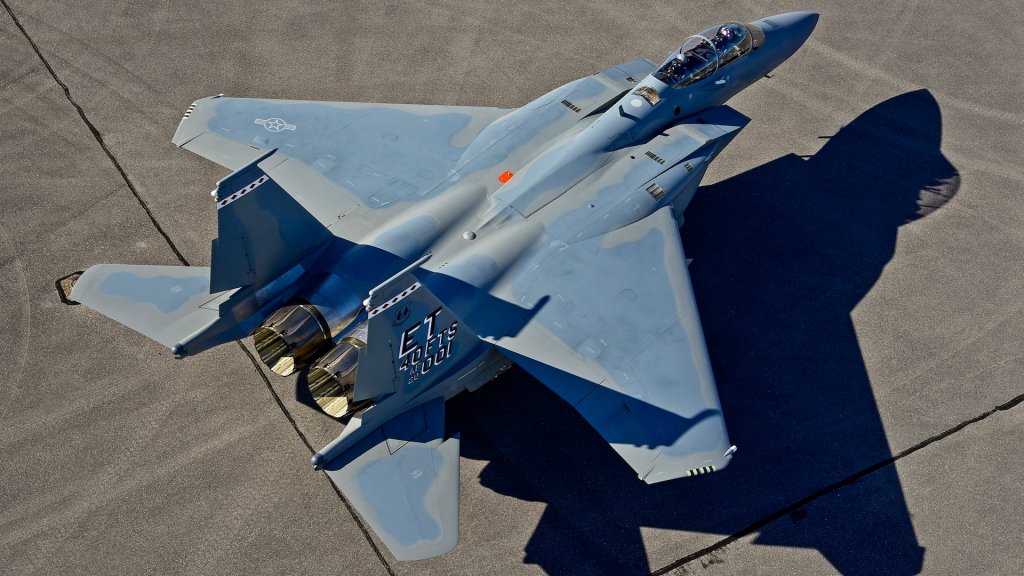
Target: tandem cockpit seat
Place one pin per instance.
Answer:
(701, 55)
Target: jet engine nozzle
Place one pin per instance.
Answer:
(291, 334)
(332, 379)
(294, 333)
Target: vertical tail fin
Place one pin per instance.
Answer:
(412, 339)
(262, 231)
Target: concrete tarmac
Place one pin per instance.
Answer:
(857, 261)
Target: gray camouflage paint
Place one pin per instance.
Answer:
(572, 268)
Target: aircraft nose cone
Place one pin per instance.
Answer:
(798, 25)
(786, 33)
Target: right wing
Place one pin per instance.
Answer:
(616, 334)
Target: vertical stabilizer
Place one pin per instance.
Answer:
(262, 231)
(412, 339)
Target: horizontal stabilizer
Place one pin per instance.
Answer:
(170, 304)
(403, 478)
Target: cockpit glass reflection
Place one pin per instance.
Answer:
(731, 41)
(696, 59)
(703, 54)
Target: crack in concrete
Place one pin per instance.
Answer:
(181, 258)
(295, 425)
(95, 132)
(795, 506)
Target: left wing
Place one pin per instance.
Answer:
(403, 478)
(334, 137)
(354, 165)
(338, 158)
(617, 335)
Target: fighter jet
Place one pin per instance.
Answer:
(401, 254)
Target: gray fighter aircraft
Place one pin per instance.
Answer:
(405, 253)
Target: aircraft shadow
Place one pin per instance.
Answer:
(782, 254)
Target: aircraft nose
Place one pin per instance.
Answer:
(798, 25)
(786, 33)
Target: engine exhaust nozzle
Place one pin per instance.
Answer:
(332, 379)
(290, 337)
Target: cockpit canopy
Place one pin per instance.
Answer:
(703, 54)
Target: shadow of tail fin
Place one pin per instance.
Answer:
(262, 231)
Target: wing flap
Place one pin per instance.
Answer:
(403, 478)
(227, 153)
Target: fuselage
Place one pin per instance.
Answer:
(502, 202)
(653, 106)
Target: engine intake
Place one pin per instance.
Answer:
(332, 379)
(293, 335)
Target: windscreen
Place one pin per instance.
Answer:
(696, 59)
(702, 54)
(731, 41)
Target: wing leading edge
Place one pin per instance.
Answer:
(620, 340)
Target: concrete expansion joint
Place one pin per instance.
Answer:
(309, 446)
(795, 511)
(181, 258)
(95, 132)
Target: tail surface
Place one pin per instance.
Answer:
(170, 304)
(262, 231)
(259, 259)
(413, 339)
